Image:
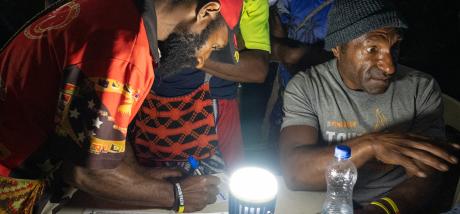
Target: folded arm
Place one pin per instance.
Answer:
(301, 155)
(415, 195)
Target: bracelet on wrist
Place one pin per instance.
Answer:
(378, 204)
(179, 197)
(392, 204)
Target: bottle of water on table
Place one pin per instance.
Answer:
(341, 176)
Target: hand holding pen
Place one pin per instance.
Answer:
(195, 164)
(193, 193)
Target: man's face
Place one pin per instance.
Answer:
(181, 49)
(367, 63)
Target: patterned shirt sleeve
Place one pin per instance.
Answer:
(97, 101)
(283, 9)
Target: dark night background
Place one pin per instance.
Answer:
(431, 44)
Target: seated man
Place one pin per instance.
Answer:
(70, 83)
(390, 115)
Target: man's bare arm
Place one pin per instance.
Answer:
(122, 184)
(415, 195)
(305, 161)
(133, 185)
(251, 68)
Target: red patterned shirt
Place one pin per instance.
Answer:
(72, 80)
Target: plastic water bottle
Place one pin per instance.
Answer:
(341, 175)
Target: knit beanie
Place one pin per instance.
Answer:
(349, 19)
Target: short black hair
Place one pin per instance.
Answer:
(200, 3)
(179, 49)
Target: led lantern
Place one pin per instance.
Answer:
(252, 191)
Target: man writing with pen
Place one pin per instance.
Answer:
(184, 124)
(170, 134)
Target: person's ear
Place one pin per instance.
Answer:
(208, 12)
(336, 52)
(199, 62)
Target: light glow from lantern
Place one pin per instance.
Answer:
(252, 184)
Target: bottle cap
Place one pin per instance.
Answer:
(342, 152)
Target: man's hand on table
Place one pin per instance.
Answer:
(408, 149)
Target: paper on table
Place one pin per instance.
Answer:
(98, 211)
(223, 187)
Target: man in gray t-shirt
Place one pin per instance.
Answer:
(320, 99)
(390, 116)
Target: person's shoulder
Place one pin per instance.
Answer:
(329, 65)
(316, 74)
(323, 71)
(412, 75)
(412, 72)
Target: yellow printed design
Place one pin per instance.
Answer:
(91, 113)
(57, 19)
(113, 86)
(342, 124)
(381, 120)
(99, 146)
(64, 127)
(19, 195)
(237, 56)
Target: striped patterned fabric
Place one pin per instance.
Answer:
(172, 129)
(19, 195)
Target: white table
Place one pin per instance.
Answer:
(292, 202)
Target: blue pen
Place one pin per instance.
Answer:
(194, 163)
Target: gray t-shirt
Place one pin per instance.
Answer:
(319, 98)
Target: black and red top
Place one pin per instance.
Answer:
(72, 80)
